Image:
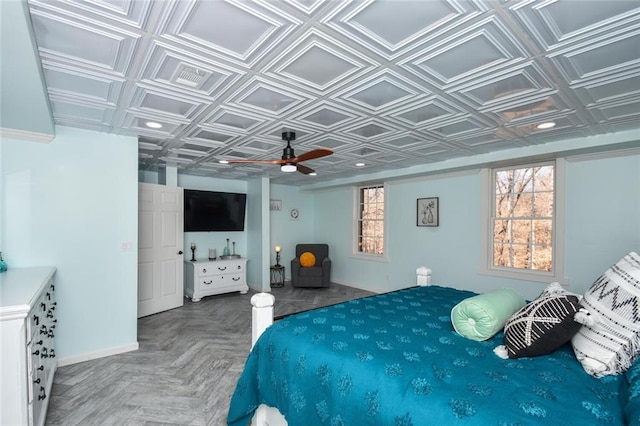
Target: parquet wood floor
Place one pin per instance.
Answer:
(185, 370)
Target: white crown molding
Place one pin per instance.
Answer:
(604, 154)
(25, 135)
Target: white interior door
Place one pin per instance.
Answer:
(160, 261)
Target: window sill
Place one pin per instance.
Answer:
(372, 257)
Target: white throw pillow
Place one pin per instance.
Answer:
(611, 344)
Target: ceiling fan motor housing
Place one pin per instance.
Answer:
(287, 153)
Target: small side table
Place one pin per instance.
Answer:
(277, 276)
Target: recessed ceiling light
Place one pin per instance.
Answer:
(360, 164)
(153, 125)
(223, 161)
(546, 125)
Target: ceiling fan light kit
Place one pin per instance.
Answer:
(288, 168)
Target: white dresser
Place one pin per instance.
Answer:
(206, 278)
(28, 359)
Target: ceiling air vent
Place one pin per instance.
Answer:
(190, 77)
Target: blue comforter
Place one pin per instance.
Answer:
(394, 359)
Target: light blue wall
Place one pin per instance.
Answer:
(24, 102)
(287, 232)
(603, 222)
(71, 203)
(596, 238)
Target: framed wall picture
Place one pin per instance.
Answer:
(428, 212)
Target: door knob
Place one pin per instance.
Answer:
(180, 252)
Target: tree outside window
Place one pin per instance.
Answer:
(370, 238)
(523, 218)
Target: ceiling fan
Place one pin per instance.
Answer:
(289, 162)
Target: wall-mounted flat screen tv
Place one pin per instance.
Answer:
(213, 211)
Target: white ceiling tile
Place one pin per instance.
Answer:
(399, 83)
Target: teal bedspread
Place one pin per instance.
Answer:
(394, 359)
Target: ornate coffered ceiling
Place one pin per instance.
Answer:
(388, 83)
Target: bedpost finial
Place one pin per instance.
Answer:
(423, 276)
(262, 300)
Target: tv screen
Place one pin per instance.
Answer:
(213, 211)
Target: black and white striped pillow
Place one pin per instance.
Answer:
(542, 326)
(612, 344)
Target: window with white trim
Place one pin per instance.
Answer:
(370, 220)
(523, 221)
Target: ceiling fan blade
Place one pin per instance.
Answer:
(304, 169)
(312, 155)
(258, 161)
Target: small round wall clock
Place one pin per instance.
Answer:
(294, 214)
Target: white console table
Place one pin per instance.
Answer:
(28, 359)
(209, 277)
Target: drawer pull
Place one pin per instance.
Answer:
(36, 319)
(37, 380)
(39, 342)
(41, 368)
(43, 306)
(43, 394)
(208, 282)
(222, 269)
(204, 270)
(239, 267)
(236, 278)
(48, 296)
(36, 353)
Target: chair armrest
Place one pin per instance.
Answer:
(295, 270)
(326, 264)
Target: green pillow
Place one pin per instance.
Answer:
(481, 317)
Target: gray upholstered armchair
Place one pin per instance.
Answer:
(318, 275)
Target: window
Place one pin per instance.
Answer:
(370, 220)
(523, 222)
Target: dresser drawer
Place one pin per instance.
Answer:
(219, 281)
(212, 269)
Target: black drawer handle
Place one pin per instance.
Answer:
(36, 319)
(222, 269)
(236, 278)
(204, 270)
(208, 282)
(36, 353)
(239, 267)
(37, 380)
(41, 368)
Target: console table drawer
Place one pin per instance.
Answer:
(211, 270)
(219, 281)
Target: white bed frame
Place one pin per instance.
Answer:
(262, 318)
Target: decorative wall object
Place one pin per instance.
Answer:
(428, 212)
(275, 205)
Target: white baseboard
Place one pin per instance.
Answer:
(99, 354)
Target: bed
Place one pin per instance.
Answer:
(394, 359)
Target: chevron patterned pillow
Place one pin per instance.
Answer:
(612, 344)
(542, 326)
